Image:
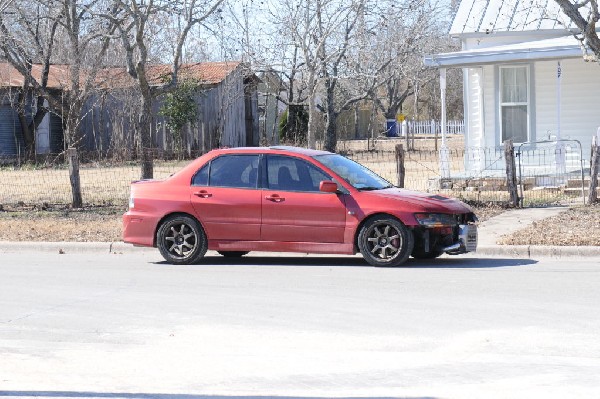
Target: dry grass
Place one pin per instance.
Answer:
(61, 224)
(109, 185)
(576, 226)
(99, 184)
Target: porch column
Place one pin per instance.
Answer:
(444, 163)
(560, 146)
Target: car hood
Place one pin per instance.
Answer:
(429, 202)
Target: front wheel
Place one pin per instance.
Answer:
(385, 241)
(181, 240)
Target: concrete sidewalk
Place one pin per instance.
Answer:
(515, 219)
(489, 232)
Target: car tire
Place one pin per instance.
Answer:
(181, 240)
(233, 254)
(385, 241)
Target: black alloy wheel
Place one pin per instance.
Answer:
(181, 240)
(385, 241)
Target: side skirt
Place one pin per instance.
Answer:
(279, 246)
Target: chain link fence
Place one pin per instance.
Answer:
(548, 174)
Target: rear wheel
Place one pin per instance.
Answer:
(233, 254)
(385, 241)
(181, 240)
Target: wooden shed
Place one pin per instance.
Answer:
(227, 110)
(227, 104)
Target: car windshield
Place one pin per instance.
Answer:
(354, 173)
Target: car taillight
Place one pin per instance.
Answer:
(131, 202)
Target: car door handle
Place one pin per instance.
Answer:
(275, 198)
(203, 194)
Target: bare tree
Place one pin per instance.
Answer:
(4, 4)
(134, 25)
(584, 14)
(322, 30)
(30, 38)
(400, 48)
(332, 55)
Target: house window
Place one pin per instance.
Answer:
(514, 103)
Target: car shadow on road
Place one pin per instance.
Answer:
(136, 395)
(356, 261)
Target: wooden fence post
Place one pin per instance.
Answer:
(435, 135)
(400, 170)
(511, 172)
(592, 195)
(74, 177)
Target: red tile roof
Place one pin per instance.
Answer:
(205, 72)
(57, 78)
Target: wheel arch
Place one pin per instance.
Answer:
(372, 216)
(169, 215)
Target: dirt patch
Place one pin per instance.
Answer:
(576, 226)
(61, 224)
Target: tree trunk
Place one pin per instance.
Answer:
(330, 131)
(73, 140)
(313, 112)
(291, 127)
(28, 135)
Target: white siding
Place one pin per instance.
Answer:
(580, 96)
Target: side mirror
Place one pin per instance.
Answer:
(328, 186)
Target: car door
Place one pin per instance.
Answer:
(226, 197)
(294, 210)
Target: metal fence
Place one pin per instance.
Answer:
(548, 174)
(434, 127)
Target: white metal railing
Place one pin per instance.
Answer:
(433, 127)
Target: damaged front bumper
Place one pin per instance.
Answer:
(467, 240)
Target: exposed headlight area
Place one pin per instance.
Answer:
(435, 219)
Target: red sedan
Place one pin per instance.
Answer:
(289, 199)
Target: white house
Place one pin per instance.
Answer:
(524, 77)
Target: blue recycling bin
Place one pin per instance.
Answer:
(391, 128)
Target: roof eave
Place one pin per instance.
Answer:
(467, 59)
(505, 33)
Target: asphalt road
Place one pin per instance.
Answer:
(110, 325)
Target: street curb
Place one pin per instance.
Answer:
(533, 251)
(72, 247)
(514, 251)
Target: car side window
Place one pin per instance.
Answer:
(201, 177)
(293, 174)
(240, 171)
